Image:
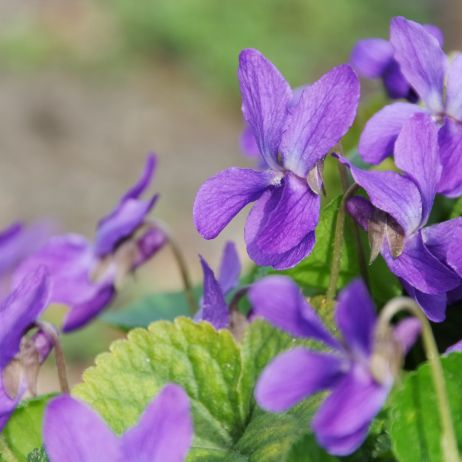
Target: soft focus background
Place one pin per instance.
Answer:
(87, 88)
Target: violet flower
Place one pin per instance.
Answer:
(438, 85)
(427, 259)
(85, 276)
(74, 432)
(213, 306)
(293, 139)
(358, 372)
(373, 58)
(18, 312)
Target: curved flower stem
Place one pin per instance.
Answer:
(448, 437)
(51, 333)
(338, 237)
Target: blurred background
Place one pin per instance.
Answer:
(87, 88)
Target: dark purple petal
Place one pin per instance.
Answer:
(434, 306)
(421, 59)
(322, 116)
(164, 432)
(355, 317)
(222, 196)
(406, 333)
(214, 308)
(454, 88)
(450, 141)
(391, 193)
(280, 301)
(281, 219)
(396, 84)
(380, 133)
(417, 154)
(371, 57)
(351, 407)
(20, 310)
(230, 268)
(420, 269)
(73, 432)
(361, 210)
(148, 244)
(265, 97)
(294, 375)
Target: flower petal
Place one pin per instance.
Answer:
(222, 196)
(248, 143)
(345, 444)
(281, 219)
(265, 97)
(361, 210)
(214, 308)
(318, 121)
(73, 432)
(417, 154)
(421, 59)
(355, 317)
(406, 333)
(230, 268)
(396, 84)
(457, 347)
(351, 406)
(379, 135)
(450, 141)
(370, 57)
(294, 375)
(164, 432)
(20, 309)
(420, 269)
(454, 88)
(280, 301)
(391, 193)
(144, 181)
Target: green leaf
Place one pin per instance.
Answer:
(154, 307)
(38, 455)
(457, 209)
(314, 271)
(414, 424)
(219, 376)
(23, 432)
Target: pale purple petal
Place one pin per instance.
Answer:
(421, 59)
(361, 210)
(417, 154)
(322, 116)
(222, 196)
(214, 308)
(355, 317)
(406, 333)
(379, 135)
(294, 375)
(73, 432)
(420, 269)
(281, 219)
(20, 310)
(265, 97)
(351, 407)
(148, 244)
(450, 141)
(454, 88)
(164, 432)
(371, 57)
(280, 301)
(436, 32)
(144, 181)
(434, 306)
(457, 347)
(248, 143)
(230, 268)
(345, 444)
(7, 403)
(392, 193)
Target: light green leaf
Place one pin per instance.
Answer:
(23, 432)
(414, 423)
(457, 209)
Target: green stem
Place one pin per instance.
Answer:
(448, 436)
(338, 237)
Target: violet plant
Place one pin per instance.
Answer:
(297, 356)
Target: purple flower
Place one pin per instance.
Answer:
(17, 242)
(374, 58)
(73, 432)
(18, 312)
(85, 276)
(293, 138)
(358, 374)
(437, 83)
(213, 305)
(426, 259)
